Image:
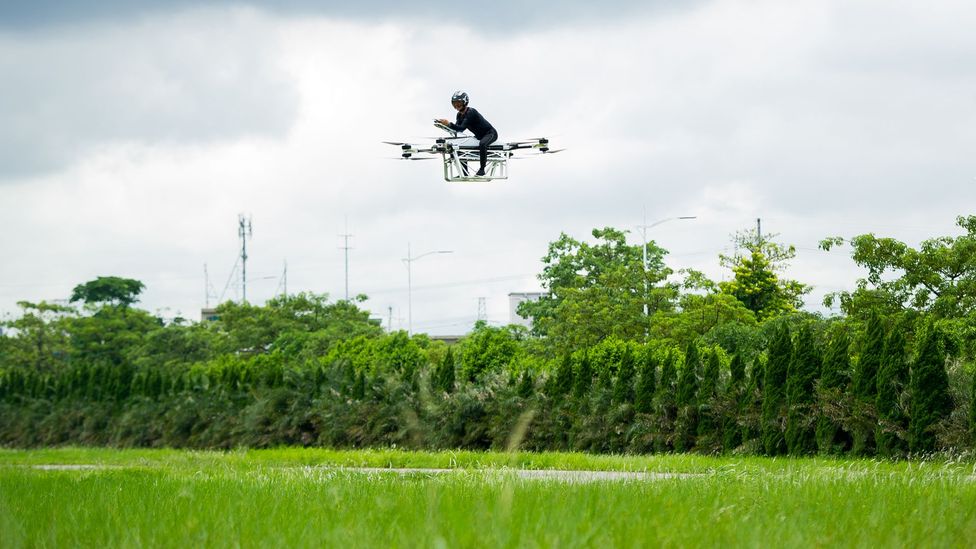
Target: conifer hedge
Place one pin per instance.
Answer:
(789, 390)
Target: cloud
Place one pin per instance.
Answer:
(176, 80)
(502, 16)
(151, 135)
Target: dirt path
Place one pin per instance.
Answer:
(540, 474)
(528, 474)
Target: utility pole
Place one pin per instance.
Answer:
(244, 231)
(759, 232)
(284, 290)
(345, 247)
(409, 261)
(643, 228)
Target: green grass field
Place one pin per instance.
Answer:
(299, 497)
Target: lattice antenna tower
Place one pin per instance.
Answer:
(244, 231)
(234, 275)
(283, 281)
(208, 289)
(482, 309)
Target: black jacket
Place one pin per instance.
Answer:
(472, 120)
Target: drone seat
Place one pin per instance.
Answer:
(475, 147)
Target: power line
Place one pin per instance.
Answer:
(208, 288)
(283, 281)
(230, 277)
(376, 291)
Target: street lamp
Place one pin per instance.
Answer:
(409, 260)
(643, 229)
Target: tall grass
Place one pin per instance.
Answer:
(275, 498)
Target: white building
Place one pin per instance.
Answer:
(514, 299)
(208, 314)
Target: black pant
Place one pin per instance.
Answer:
(483, 143)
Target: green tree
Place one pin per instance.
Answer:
(623, 389)
(110, 335)
(301, 325)
(526, 386)
(702, 309)
(929, 382)
(834, 380)
(801, 375)
(584, 377)
(865, 380)
(359, 386)
(39, 339)
(108, 290)
(737, 371)
(938, 277)
(686, 400)
(755, 282)
(710, 376)
(774, 392)
(667, 408)
(708, 401)
(176, 345)
(669, 377)
(972, 408)
(398, 353)
(444, 374)
(688, 376)
(563, 382)
(598, 290)
(646, 384)
(488, 350)
(892, 382)
(605, 366)
(731, 431)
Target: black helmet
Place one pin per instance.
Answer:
(460, 96)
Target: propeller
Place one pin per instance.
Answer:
(410, 148)
(540, 153)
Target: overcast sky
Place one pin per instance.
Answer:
(134, 133)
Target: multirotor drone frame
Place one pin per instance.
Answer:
(462, 162)
(461, 157)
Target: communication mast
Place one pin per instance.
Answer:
(244, 232)
(482, 310)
